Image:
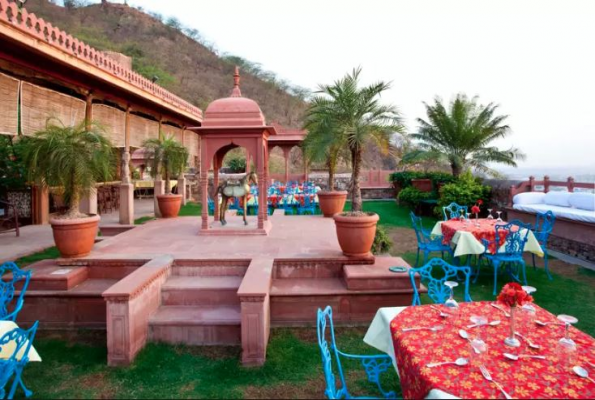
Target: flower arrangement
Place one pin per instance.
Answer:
(513, 295)
(476, 208)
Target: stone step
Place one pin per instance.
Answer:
(377, 276)
(209, 270)
(48, 275)
(200, 290)
(196, 325)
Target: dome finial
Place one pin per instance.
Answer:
(236, 83)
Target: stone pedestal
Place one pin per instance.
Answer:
(127, 204)
(88, 204)
(159, 189)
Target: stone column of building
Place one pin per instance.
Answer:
(216, 167)
(88, 204)
(204, 186)
(182, 177)
(259, 158)
(266, 180)
(305, 161)
(126, 185)
(286, 151)
(159, 184)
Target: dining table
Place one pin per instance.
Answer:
(466, 236)
(404, 333)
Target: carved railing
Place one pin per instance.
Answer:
(544, 186)
(30, 24)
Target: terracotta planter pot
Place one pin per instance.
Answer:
(75, 237)
(169, 205)
(331, 202)
(423, 185)
(356, 233)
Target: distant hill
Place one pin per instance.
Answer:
(183, 65)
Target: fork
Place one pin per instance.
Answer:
(486, 374)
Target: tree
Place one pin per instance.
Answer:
(167, 158)
(461, 135)
(73, 158)
(356, 117)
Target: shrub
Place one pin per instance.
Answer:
(382, 242)
(237, 164)
(403, 179)
(411, 196)
(465, 192)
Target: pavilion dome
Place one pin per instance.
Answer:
(233, 111)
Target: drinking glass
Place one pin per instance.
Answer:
(477, 333)
(528, 313)
(451, 305)
(566, 341)
(499, 216)
(490, 216)
(468, 219)
(462, 215)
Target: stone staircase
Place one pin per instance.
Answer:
(199, 306)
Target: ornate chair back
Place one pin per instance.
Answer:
(453, 210)
(418, 227)
(544, 223)
(433, 275)
(324, 323)
(18, 342)
(513, 237)
(8, 308)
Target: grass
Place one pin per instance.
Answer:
(47, 254)
(293, 368)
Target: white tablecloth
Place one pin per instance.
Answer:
(379, 337)
(8, 349)
(466, 244)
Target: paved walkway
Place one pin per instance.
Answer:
(35, 238)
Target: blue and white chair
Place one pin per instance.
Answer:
(509, 251)
(434, 280)
(20, 341)
(9, 309)
(373, 365)
(309, 205)
(544, 223)
(427, 242)
(453, 210)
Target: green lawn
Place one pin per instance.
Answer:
(77, 368)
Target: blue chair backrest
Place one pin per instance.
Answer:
(324, 321)
(453, 210)
(434, 280)
(418, 227)
(544, 223)
(516, 233)
(8, 310)
(20, 340)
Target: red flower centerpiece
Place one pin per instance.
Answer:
(476, 210)
(513, 296)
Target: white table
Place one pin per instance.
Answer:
(8, 349)
(379, 337)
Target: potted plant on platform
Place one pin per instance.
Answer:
(71, 159)
(357, 118)
(323, 143)
(167, 158)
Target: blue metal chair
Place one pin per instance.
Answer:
(516, 235)
(211, 205)
(436, 289)
(544, 223)
(288, 204)
(309, 205)
(14, 365)
(7, 289)
(427, 242)
(453, 210)
(373, 365)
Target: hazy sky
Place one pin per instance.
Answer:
(535, 58)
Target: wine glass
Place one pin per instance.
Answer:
(461, 215)
(477, 332)
(499, 216)
(490, 216)
(566, 341)
(451, 305)
(468, 219)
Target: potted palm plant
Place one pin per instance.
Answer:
(167, 157)
(71, 159)
(323, 143)
(358, 119)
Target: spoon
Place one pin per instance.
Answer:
(580, 371)
(501, 309)
(515, 357)
(461, 362)
(442, 314)
(465, 335)
(432, 329)
(591, 364)
(541, 323)
(529, 342)
(493, 323)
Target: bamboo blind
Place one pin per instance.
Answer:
(38, 104)
(9, 101)
(142, 129)
(169, 130)
(113, 121)
(192, 141)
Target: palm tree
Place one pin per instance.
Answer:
(167, 158)
(73, 158)
(461, 135)
(354, 117)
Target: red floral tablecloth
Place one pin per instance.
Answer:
(485, 230)
(525, 378)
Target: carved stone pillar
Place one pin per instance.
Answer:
(126, 192)
(158, 190)
(88, 203)
(204, 187)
